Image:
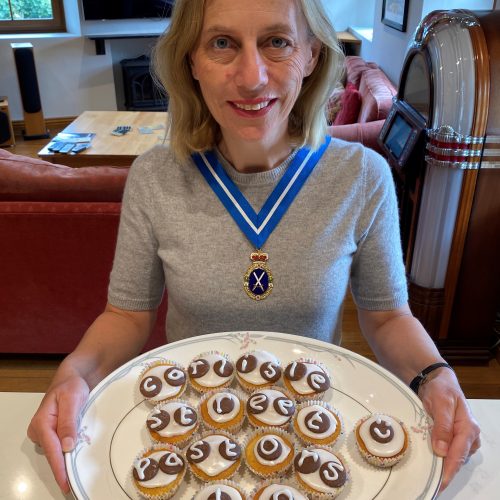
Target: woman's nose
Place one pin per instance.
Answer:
(251, 71)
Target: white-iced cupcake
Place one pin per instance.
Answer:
(317, 422)
(162, 380)
(306, 379)
(281, 488)
(269, 451)
(257, 369)
(213, 456)
(270, 407)
(172, 422)
(158, 471)
(226, 490)
(320, 471)
(210, 370)
(223, 410)
(382, 440)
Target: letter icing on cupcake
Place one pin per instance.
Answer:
(257, 402)
(197, 451)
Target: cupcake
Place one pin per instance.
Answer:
(381, 440)
(306, 379)
(271, 407)
(224, 410)
(209, 371)
(320, 471)
(282, 489)
(214, 457)
(162, 380)
(269, 452)
(316, 422)
(158, 472)
(172, 422)
(257, 369)
(221, 490)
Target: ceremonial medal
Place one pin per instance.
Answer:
(258, 280)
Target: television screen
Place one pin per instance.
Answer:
(398, 135)
(126, 9)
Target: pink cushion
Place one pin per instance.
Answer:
(29, 179)
(350, 106)
(355, 66)
(376, 92)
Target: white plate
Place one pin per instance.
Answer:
(113, 431)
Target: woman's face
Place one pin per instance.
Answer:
(250, 61)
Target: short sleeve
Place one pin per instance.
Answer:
(137, 280)
(378, 280)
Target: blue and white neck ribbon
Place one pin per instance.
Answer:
(258, 227)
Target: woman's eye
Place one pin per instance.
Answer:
(278, 43)
(221, 43)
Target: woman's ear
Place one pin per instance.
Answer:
(315, 49)
(193, 67)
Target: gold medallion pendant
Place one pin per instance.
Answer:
(258, 280)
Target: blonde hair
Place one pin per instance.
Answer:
(192, 127)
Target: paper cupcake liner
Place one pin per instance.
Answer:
(318, 495)
(248, 386)
(284, 482)
(308, 440)
(222, 482)
(374, 459)
(171, 492)
(201, 436)
(259, 424)
(195, 385)
(179, 440)
(161, 362)
(312, 395)
(232, 427)
(267, 471)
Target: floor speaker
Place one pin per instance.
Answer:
(6, 130)
(34, 123)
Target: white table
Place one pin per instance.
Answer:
(25, 474)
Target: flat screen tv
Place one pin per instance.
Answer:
(126, 9)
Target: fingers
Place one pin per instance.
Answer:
(42, 432)
(466, 441)
(442, 431)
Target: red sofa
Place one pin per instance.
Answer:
(374, 100)
(58, 228)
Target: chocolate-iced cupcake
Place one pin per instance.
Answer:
(210, 370)
(172, 422)
(269, 452)
(223, 410)
(257, 369)
(158, 471)
(320, 471)
(215, 456)
(161, 381)
(317, 422)
(272, 407)
(382, 440)
(306, 379)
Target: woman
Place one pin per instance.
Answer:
(249, 81)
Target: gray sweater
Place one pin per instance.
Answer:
(341, 229)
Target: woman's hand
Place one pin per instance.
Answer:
(455, 434)
(54, 425)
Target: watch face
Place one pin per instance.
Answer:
(258, 281)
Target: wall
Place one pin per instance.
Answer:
(384, 37)
(72, 78)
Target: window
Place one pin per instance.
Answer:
(31, 16)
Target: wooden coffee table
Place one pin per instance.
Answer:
(107, 149)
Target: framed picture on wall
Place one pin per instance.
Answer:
(395, 13)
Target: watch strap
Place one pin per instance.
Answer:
(420, 378)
